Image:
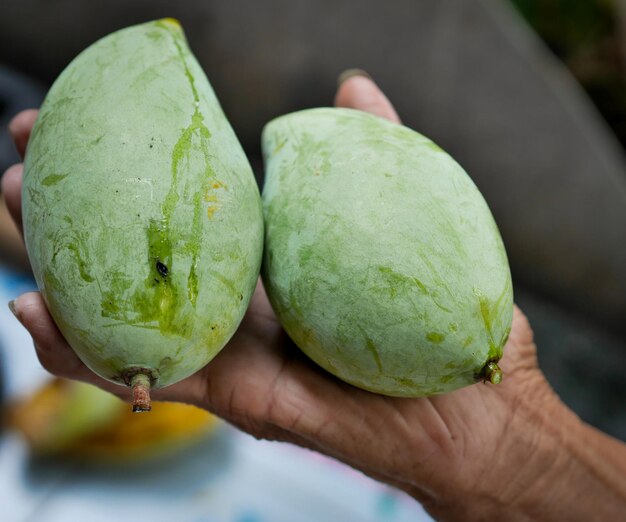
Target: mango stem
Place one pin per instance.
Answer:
(140, 383)
(493, 373)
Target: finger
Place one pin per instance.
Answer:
(53, 351)
(358, 91)
(57, 357)
(20, 128)
(12, 191)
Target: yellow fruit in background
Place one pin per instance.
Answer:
(72, 418)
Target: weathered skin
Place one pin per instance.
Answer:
(382, 259)
(142, 217)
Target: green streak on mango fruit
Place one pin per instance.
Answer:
(382, 259)
(142, 217)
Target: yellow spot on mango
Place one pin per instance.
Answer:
(211, 197)
(171, 21)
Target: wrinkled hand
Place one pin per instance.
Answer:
(466, 448)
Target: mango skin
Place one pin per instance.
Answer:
(142, 216)
(382, 259)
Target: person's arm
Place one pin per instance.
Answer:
(507, 452)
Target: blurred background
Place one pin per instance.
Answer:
(528, 95)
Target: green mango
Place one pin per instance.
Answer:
(142, 217)
(382, 259)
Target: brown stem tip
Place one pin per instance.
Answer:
(140, 384)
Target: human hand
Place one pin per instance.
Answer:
(479, 451)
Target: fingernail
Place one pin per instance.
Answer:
(13, 308)
(349, 73)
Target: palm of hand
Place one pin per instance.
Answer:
(288, 398)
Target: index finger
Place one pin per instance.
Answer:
(20, 128)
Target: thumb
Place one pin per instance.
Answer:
(358, 91)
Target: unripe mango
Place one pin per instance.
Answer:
(382, 259)
(142, 217)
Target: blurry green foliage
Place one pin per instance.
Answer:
(585, 34)
(569, 26)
